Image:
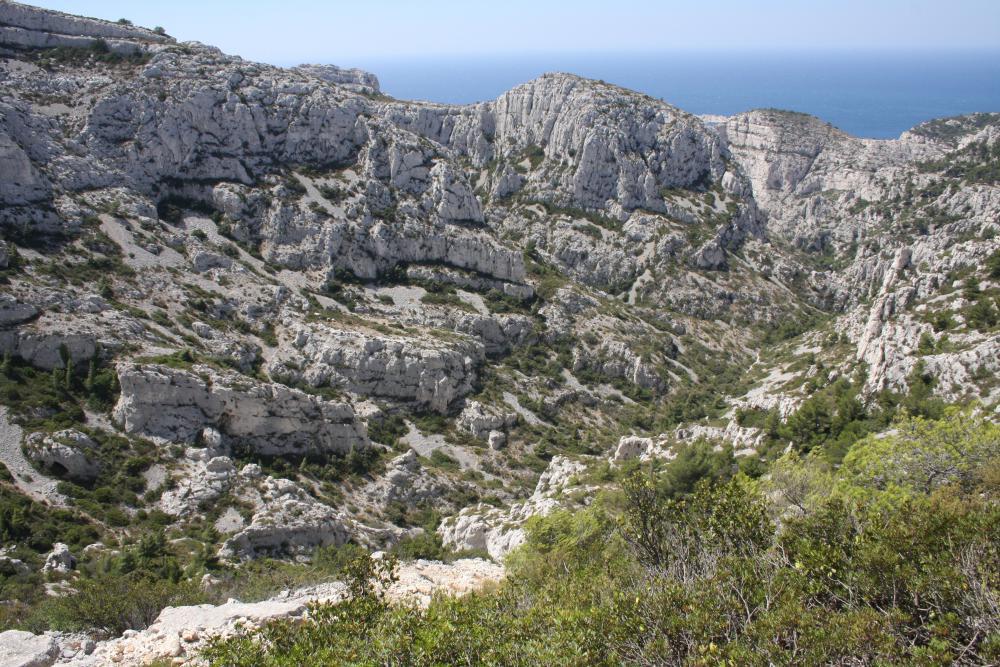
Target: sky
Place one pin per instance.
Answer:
(353, 33)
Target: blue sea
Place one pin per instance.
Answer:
(870, 94)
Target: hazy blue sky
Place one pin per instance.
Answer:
(294, 31)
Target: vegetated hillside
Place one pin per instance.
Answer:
(256, 322)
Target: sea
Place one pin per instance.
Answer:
(874, 94)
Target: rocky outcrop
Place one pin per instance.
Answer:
(447, 275)
(405, 481)
(590, 137)
(614, 359)
(201, 480)
(179, 404)
(69, 453)
(48, 347)
(498, 532)
(744, 440)
(289, 521)
(373, 256)
(26, 27)
(635, 447)
(27, 17)
(430, 373)
(794, 162)
(353, 79)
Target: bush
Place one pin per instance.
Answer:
(422, 545)
(113, 604)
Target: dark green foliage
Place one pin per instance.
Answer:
(834, 417)
(172, 208)
(694, 463)
(37, 527)
(294, 186)
(983, 314)
(49, 401)
(498, 302)
(442, 460)
(387, 429)
(114, 603)
(333, 193)
(330, 467)
(445, 295)
(98, 52)
(789, 328)
(598, 219)
(535, 155)
(422, 545)
(926, 344)
(88, 271)
(993, 265)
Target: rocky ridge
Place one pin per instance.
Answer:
(287, 312)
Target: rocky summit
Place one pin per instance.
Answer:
(252, 317)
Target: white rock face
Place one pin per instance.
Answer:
(633, 447)
(791, 158)
(307, 194)
(23, 182)
(741, 438)
(441, 274)
(615, 359)
(23, 649)
(27, 17)
(177, 405)
(68, 452)
(498, 532)
(424, 371)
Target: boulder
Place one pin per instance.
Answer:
(13, 311)
(59, 559)
(481, 421)
(24, 649)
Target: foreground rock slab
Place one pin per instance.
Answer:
(23, 649)
(179, 633)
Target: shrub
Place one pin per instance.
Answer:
(114, 603)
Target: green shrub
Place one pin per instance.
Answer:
(114, 603)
